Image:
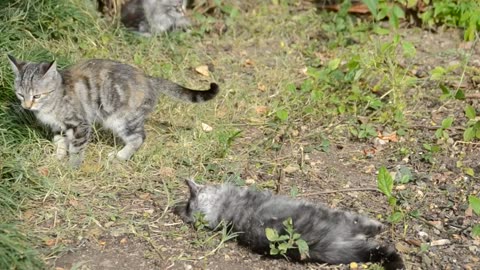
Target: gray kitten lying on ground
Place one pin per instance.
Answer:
(71, 100)
(333, 236)
(154, 16)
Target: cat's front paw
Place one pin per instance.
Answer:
(61, 144)
(75, 160)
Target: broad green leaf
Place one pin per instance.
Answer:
(470, 112)
(381, 31)
(272, 234)
(469, 171)
(372, 6)
(296, 236)
(408, 49)
(302, 248)
(437, 73)
(398, 11)
(395, 217)
(469, 134)
(474, 202)
(439, 133)
(444, 89)
(460, 95)
(334, 64)
(282, 237)
(273, 250)
(447, 122)
(385, 181)
(476, 230)
(282, 115)
(283, 246)
(392, 201)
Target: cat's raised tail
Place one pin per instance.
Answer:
(189, 95)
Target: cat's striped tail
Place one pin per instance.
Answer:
(189, 95)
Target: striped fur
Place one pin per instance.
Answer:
(154, 16)
(333, 236)
(117, 95)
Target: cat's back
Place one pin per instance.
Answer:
(102, 69)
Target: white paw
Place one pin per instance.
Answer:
(123, 155)
(75, 160)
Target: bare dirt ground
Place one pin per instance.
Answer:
(145, 234)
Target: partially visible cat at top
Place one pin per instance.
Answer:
(118, 96)
(154, 16)
(333, 236)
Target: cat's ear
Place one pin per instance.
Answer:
(16, 65)
(193, 187)
(50, 70)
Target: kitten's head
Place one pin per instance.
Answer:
(362, 225)
(175, 7)
(203, 200)
(35, 83)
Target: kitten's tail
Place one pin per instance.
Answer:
(389, 258)
(190, 95)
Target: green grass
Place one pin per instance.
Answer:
(268, 111)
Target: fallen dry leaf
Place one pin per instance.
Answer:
(468, 212)
(43, 171)
(123, 241)
(206, 127)
(261, 87)
(203, 70)
(50, 242)
(144, 196)
(167, 171)
(261, 109)
(388, 136)
(249, 63)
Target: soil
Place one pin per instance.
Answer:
(438, 193)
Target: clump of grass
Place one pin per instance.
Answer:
(15, 252)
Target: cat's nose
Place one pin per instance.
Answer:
(27, 104)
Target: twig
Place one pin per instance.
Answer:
(473, 96)
(339, 190)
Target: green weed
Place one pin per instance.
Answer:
(280, 244)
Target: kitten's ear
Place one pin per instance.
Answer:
(16, 66)
(50, 70)
(194, 187)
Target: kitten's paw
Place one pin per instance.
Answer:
(75, 160)
(123, 156)
(61, 153)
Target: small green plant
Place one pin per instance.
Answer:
(383, 9)
(200, 222)
(280, 244)
(473, 125)
(364, 131)
(458, 13)
(442, 132)
(430, 151)
(385, 185)
(474, 203)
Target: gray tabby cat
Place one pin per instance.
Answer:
(154, 16)
(333, 236)
(116, 95)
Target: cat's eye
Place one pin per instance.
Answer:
(36, 96)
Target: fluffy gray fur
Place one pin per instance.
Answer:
(155, 16)
(116, 95)
(333, 236)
